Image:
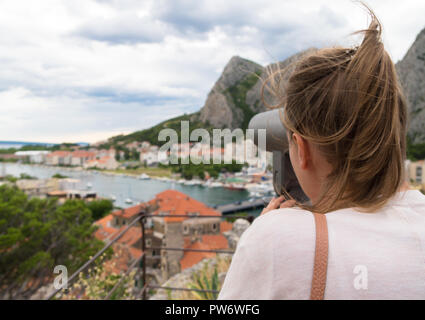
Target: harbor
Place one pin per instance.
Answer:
(128, 190)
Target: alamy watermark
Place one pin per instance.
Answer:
(360, 282)
(61, 281)
(225, 146)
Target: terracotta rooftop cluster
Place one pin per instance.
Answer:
(74, 154)
(170, 202)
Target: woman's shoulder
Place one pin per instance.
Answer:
(288, 218)
(286, 226)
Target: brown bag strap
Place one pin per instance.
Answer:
(318, 284)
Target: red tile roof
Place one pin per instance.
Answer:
(83, 154)
(171, 202)
(129, 238)
(129, 212)
(125, 253)
(208, 242)
(122, 258)
(225, 226)
(174, 202)
(105, 231)
(59, 154)
(104, 159)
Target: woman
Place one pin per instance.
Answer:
(345, 115)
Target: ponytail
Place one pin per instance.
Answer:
(348, 102)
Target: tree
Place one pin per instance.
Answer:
(415, 151)
(126, 154)
(100, 208)
(38, 234)
(59, 176)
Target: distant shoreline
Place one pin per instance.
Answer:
(6, 144)
(119, 172)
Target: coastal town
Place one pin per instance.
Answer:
(144, 161)
(148, 144)
(174, 218)
(199, 229)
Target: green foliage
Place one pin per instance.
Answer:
(169, 296)
(238, 94)
(66, 146)
(59, 176)
(151, 134)
(98, 282)
(11, 178)
(35, 147)
(233, 219)
(38, 234)
(132, 154)
(8, 151)
(415, 151)
(206, 281)
(8, 160)
(100, 208)
(188, 171)
(26, 176)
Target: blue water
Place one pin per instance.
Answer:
(123, 187)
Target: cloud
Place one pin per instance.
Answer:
(128, 28)
(87, 68)
(79, 118)
(197, 16)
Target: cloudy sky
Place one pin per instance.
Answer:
(84, 70)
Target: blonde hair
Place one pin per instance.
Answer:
(348, 102)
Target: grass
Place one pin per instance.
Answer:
(150, 171)
(151, 134)
(206, 278)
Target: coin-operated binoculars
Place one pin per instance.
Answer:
(284, 177)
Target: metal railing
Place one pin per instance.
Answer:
(142, 259)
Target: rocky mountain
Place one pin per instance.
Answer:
(411, 70)
(236, 96)
(226, 105)
(234, 99)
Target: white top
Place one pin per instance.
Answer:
(371, 255)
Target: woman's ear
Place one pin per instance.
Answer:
(303, 152)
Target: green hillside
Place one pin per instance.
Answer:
(151, 134)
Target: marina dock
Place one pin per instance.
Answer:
(245, 205)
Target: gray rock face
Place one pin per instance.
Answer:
(236, 96)
(219, 109)
(411, 71)
(223, 109)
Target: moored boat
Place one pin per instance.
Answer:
(144, 176)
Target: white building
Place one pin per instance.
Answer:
(149, 157)
(58, 158)
(35, 156)
(106, 162)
